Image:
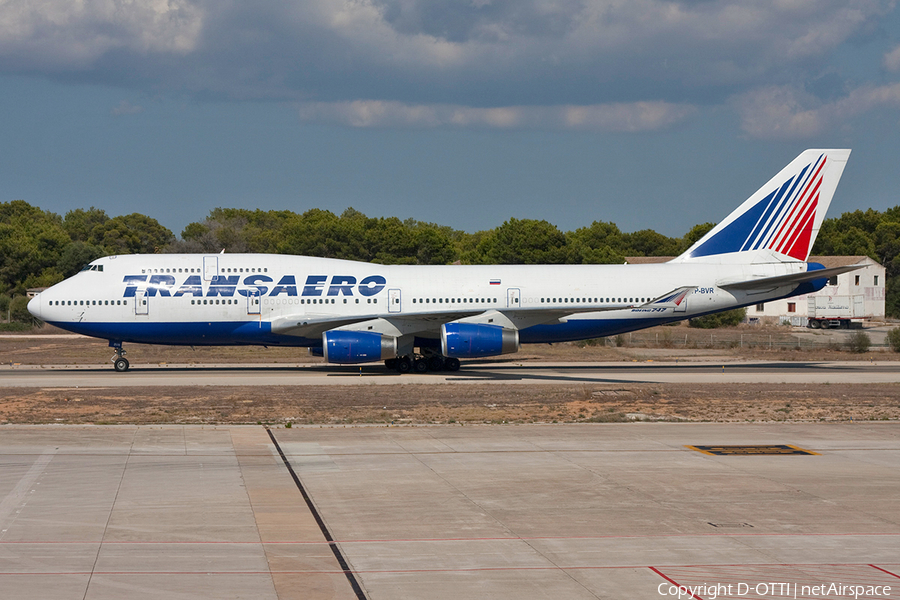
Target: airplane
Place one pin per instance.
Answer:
(421, 318)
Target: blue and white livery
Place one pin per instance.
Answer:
(429, 317)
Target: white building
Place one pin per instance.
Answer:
(863, 287)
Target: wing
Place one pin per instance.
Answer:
(428, 325)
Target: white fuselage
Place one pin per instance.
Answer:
(267, 299)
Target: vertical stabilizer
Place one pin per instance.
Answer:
(778, 223)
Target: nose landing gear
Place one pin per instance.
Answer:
(120, 363)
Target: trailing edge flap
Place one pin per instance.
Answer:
(311, 326)
(768, 283)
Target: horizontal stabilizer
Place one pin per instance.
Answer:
(785, 280)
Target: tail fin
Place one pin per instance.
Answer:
(778, 223)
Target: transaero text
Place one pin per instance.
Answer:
(254, 285)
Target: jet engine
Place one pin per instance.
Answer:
(472, 340)
(350, 347)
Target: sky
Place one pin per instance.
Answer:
(646, 113)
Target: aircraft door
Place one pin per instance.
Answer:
(253, 302)
(513, 298)
(210, 267)
(394, 301)
(140, 303)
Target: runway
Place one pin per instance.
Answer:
(529, 373)
(503, 512)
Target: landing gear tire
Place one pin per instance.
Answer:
(404, 365)
(435, 363)
(391, 363)
(121, 365)
(420, 365)
(451, 364)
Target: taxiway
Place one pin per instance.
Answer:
(533, 511)
(480, 373)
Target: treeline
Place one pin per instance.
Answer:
(354, 236)
(39, 248)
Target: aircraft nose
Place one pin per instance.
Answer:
(34, 306)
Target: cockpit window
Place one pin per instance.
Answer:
(92, 268)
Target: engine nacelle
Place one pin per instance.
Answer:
(471, 340)
(351, 347)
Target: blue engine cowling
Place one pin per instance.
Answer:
(471, 340)
(351, 347)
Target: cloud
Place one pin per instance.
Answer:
(892, 60)
(605, 65)
(618, 117)
(126, 108)
(786, 112)
(451, 51)
(60, 35)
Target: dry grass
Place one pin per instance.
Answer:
(444, 403)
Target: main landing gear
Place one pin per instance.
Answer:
(422, 364)
(120, 363)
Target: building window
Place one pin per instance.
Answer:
(876, 280)
(856, 280)
(792, 307)
(761, 307)
(832, 280)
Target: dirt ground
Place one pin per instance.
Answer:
(462, 404)
(440, 403)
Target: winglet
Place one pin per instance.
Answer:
(673, 299)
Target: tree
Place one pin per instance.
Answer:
(691, 237)
(18, 310)
(650, 243)
(75, 255)
(893, 338)
(79, 223)
(131, 234)
(859, 342)
(31, 243)
(842, 240)
(434, 245)
(525, 241)
(729, 318)
(314, 233)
